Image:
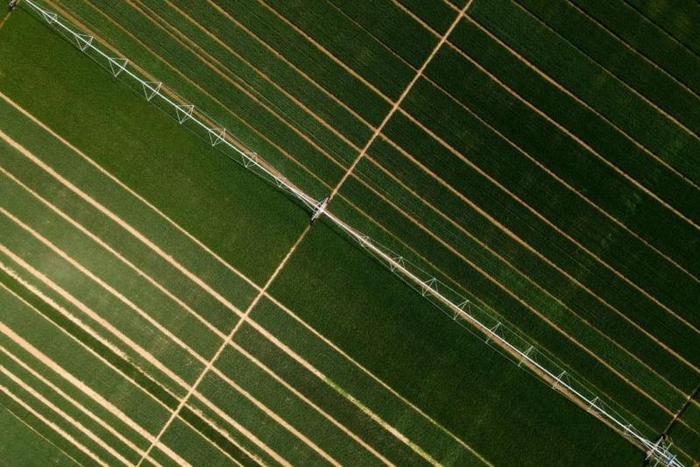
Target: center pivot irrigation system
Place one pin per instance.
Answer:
(469, 315)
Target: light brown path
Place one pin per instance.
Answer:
(401, 98)
(205, 248)
(54, 427)
(48, 301)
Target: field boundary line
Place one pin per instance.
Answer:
(104, 285)
(225, 73)
(70, 420)
(169, 335)
(401, 98)
(216, 355)
(375, 249)
(309, 402)
(36, 432)
(326, 52)
(548, 222)
(577, 99)
(540, 287)
(332, 159)
(661, 28)
(221, 335)
(83, 389)
(614, 76)
(223, 107)
(126, 340)
(54, 427)
(143, 200)
(548, 171)
(165, 449)
(531, 249)
(82, 229)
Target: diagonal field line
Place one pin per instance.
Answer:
(221, 335)
(224, 345)
(53, 426)
(398, 102)
(196, 280)
(48, 301)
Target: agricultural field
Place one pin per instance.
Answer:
(506, 272)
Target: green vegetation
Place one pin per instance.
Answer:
(479, 177)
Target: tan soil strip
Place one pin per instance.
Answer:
(564, 130)
(543, 167)
(154, 247)
(625, 85)
(217, 67)
(99, 338)
(19, 419)
(551, 224)
(54, 427)
(398, 102)
(167, 334)
(531, 309)
(195, 85)
(632, 49)
(590, 203)
(79, 426)
(102, 284)
(310, 403)
(115, 253)
(183, 305)
(531, 281)
(216, 355)
(330, 55)
(532, 250)
(95, 317)
(571, 188)
(673, 262)
(82, 387)
(233, 52)
(135, 347)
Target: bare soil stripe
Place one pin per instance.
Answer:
(547, 170)
(79, 426)
(548, 222)
(193, 84)
(660, 28)
(326, 52)
(169, 336)
(464, 231)
(183, 305)
(95, 317)
(310, 403)
(115, 253)
(223, 346)
(515, 237)
(133, 231)
(102, 284)
(99, 338)
(54, 427)
(583, 104)
(82, 387)
(567, 185)
(401, 98)
(130, 344)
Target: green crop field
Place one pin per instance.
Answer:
(507, 271)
